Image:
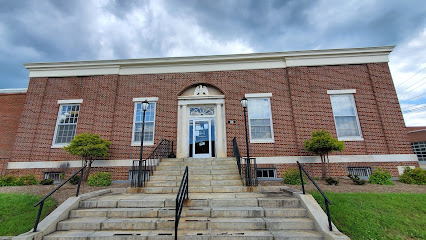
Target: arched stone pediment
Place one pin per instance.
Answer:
(201, 90)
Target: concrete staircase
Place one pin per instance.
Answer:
(219, 208)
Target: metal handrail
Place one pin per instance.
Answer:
(326, 200)
(248, 172)
(180, 198)
(161, 151)
(41, 202)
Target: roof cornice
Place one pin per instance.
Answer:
(212, 63)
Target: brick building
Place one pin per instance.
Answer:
(195, 101)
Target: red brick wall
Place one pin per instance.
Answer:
(416, 134)
(299, 105)
(11, 106)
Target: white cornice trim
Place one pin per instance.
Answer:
(13, 90)
(258, 95)
(341, 91)
(149, 99)
(211, 63)
(70, 101)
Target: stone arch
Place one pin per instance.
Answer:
(212, 90)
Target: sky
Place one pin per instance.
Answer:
(64, 30)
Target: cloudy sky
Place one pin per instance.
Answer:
(65, 30)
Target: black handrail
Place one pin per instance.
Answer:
(180, 198)
(248, 173)
(149, 164)
(41, 202)
(326, 200)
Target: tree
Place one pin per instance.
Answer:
(90, 147)
(322, 144)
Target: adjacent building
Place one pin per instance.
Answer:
(195, 101)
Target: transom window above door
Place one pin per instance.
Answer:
(201, 111)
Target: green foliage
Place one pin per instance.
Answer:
(8, 180)
(47, 181)
(74, 180)
(413, 176)
(378, 215)
(316, 178)
(381, 177)
(17, 213)
(322, 143)
(88, 146)
(11, 180)
(100, 179)
(332, 181)
(292, 176)
(357, 180)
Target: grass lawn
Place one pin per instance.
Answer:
(17, 212)
(378, 215)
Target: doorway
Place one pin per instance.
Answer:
(202, 138)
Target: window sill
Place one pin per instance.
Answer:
(59, 146)
(139, 144)
(262, 141)
(351, 139)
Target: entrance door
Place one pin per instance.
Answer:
(201, 138)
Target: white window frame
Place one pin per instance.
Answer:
(261, 95)
(350, 92)
(140, 100)
(62, 103)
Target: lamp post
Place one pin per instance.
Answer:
(145, 105)
(244, 103)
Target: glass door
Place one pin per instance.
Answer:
(200, 136)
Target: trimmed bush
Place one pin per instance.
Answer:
(413, 176)
(47, 181)
(381, 177)
(292, 176)
(100, 179)
(11, 180)
(357, 180)
(74, 180)
(332, 181)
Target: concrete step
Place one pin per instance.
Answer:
(197, 189)
(184, 234)
(289, 224)
(195, 177)
(237, 224)
(195, 183)
(196, 172)
(198, 167)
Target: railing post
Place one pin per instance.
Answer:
(79, 182)
(328, 215)
(301, 178)
(176, 218)
(38, 216)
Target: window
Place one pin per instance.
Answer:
(149, 122)
(360, 171)
(266, 173)
(420, 150)
(56, 176)
(345, 115)
(66, 123)
(260, 118)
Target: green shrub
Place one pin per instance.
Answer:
(413, 176)
(357, 180)
(74, 180)
(331, 181)
(28, 180)
(292, 176)
(8, 180)
(381, 177)
(11, 180)
(100, 179)
(47, 181)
